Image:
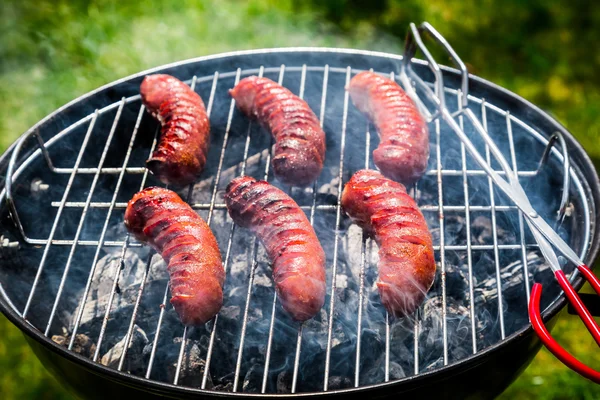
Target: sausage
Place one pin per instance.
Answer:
(403, 150)
(299, 150)
(160, 218)
(182, 149)
(290, 240)
(406, 260)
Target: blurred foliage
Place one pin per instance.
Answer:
(22, 375)
(544, 50)
(53, 51)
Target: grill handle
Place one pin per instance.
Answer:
(9, 178)
(538, 323)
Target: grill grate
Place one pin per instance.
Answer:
(435, 207)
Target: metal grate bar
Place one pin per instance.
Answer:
(165, 296)
(312, 213)
(417, 313)
(104, 229)
(59, 212)
(138, 299)
(463, 156)
(83, 215)
(442, 243)
(118, 273)
(494, 229)
(119, 243)
(238, 364)
(273, 312)
(140, 170)
(337, 235)
(214, 327)
(167, 287)
(231, 231)
(321, 207)
(103, 171)
(363, 263)
(387, 316)
(521, 224)
(361, 289)
(210, 213)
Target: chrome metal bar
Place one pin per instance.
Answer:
(337, 236)
(238, 364)
(442, 237)
(140, 170)
(494, 227)
(83, 216)
(564, 201)
(417, 329)
(188, 198)
(361, 278)
(387, 347)
(269, 344)
(163, 304)
(116, 280)
(321, 207)
(109, 303)
(361, 286)
(106, 171)
(104, 229)
(231, 231)
(463, 155)
(513, 157)
(214, 327)
(120, 243)
(181, 352)
(59, 213)
(312, 214)
(417, 313)
(387, 316)
(297, 358)
(134, 313)
(44, 150)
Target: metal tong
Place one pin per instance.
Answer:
(545, 236)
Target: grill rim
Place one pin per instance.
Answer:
(586, 168)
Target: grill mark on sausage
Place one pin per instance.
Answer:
(403, 151)
(406, 260)
(162, 219)
(290, 240)
(181, 152)
(299, 150)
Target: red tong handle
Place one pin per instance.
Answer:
(584, 314)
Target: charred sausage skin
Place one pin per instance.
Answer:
(403, 151)
(406, 259)
(181, 152)
(290, 240)
(160, 218)
(299, 150)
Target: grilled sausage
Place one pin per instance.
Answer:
(403, 151)
(291, 243)
(299, 149)
(160, 218)
(181, 152)
(406, 261)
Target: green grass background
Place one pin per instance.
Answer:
(53, 51)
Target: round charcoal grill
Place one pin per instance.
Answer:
(93, 302)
